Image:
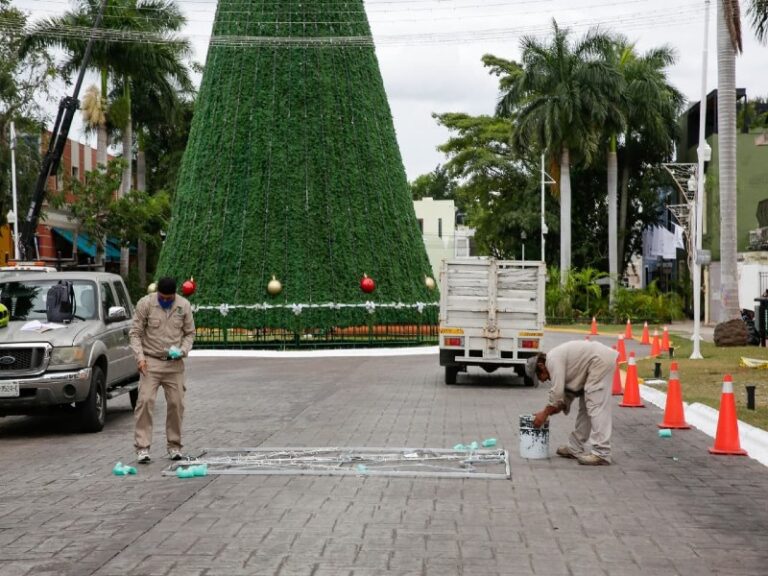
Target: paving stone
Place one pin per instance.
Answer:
(61, 509)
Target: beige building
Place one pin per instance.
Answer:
(442, 237)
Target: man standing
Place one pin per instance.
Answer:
(584, 370)
(161, 336)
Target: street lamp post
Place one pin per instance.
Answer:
(698, 215)
(13, 191)
(523, 236)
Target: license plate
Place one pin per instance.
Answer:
(9, 389)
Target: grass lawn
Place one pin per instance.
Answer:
(702, 380)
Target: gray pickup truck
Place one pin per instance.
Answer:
(76, 363)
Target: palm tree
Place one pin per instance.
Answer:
(148, 49)
(561, 96)
(728, 45)
(649, 108)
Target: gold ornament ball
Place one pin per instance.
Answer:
(429, 282)
(274, 287)
(152, 288)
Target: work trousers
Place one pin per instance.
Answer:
(171, 378)
(593, 422)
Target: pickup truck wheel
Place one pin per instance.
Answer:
(93, 410)
(134, 396)
(450, 374)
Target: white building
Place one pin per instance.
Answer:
(442, 237)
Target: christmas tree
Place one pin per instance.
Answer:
(292, 188)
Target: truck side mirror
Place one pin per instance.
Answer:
(116, 314)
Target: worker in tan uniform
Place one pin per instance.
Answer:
(584, 370)
(161, 337)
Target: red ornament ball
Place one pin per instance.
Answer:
(367, 284)
(188, 287)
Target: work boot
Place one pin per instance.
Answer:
(566, 452)
(593, 460)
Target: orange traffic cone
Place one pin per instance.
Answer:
(727, 437)
(665, 340)
(632, 386)
(593, 330)
(674, 416)
(655, 345)
(616, 390)
(622, 349)
(628, 330)
(645, 338)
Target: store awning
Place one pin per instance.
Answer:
(88, 246)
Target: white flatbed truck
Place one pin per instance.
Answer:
(491, 314)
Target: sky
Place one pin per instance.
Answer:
(430, 51)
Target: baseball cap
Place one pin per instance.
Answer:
(530, 369)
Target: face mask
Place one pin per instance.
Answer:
(165, 304)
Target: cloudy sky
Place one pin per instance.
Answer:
(430, 50)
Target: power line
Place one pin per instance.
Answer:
(624, 22)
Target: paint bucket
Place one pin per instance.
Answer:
(534, 442)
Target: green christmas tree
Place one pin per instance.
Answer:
(292, 170)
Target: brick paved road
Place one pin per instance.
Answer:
(665, 508)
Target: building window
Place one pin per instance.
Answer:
(421, 225)
(462, 247)
(75, 173)
(439, 227)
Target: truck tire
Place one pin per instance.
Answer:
(93, 410)
(529, 381)
(450, 374)
(134, 396)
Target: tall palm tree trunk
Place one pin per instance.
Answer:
(127, 176)
(623, 208)
(141, 185)
(565, 215)
(726, 127)
(613, 263)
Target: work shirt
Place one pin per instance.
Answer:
(155, 329)
(575, 365)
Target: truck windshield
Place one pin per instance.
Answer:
(26, 300)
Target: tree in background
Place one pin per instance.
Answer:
(648, 108)
(149, 54)
(24, 84)
(437, 185)
(101, 213)
(293, 170)
(728, 45)
(559, 96)
(498, 189)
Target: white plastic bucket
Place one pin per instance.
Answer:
(534, 442)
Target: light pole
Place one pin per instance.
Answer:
(698, 215)
(13, 191)
(523, 236)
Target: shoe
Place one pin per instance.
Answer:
(566, 452)
(175, 454)
(593, 460)
(142, 456)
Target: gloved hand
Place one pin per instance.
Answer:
(174, 353)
